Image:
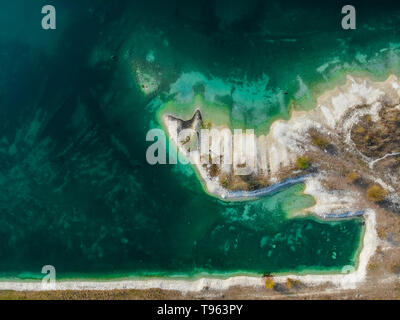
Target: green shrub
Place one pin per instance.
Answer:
(320, 142)
(303, 162)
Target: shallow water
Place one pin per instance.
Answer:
(76, 191)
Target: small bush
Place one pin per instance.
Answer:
(303, 163)
(270, 283)
(320, 142)
(206, 125)
(371, 266)
(214, 170)
(352, 177)
(376, 193)
(292, 283)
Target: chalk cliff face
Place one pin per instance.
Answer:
(349, 141)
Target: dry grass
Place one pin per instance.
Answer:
(151, 294)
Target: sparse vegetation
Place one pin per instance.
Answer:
(127, 294)
(225, 180)
(376, 193)
(375, 139)
(319, 141)
(270, 283)
(206, 125)
(254, 184)
(395, 268)
(292, 283)
(303, 163)
(359, 130)
(371, 266)
(381, 233)
(214, 170)
(237, 183)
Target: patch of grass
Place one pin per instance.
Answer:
(376, 193)
(303, 163)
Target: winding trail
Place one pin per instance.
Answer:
(371, 164)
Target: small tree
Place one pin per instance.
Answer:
(376, 193)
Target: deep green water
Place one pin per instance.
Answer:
(76, 191)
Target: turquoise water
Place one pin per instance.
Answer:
(76, 103)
